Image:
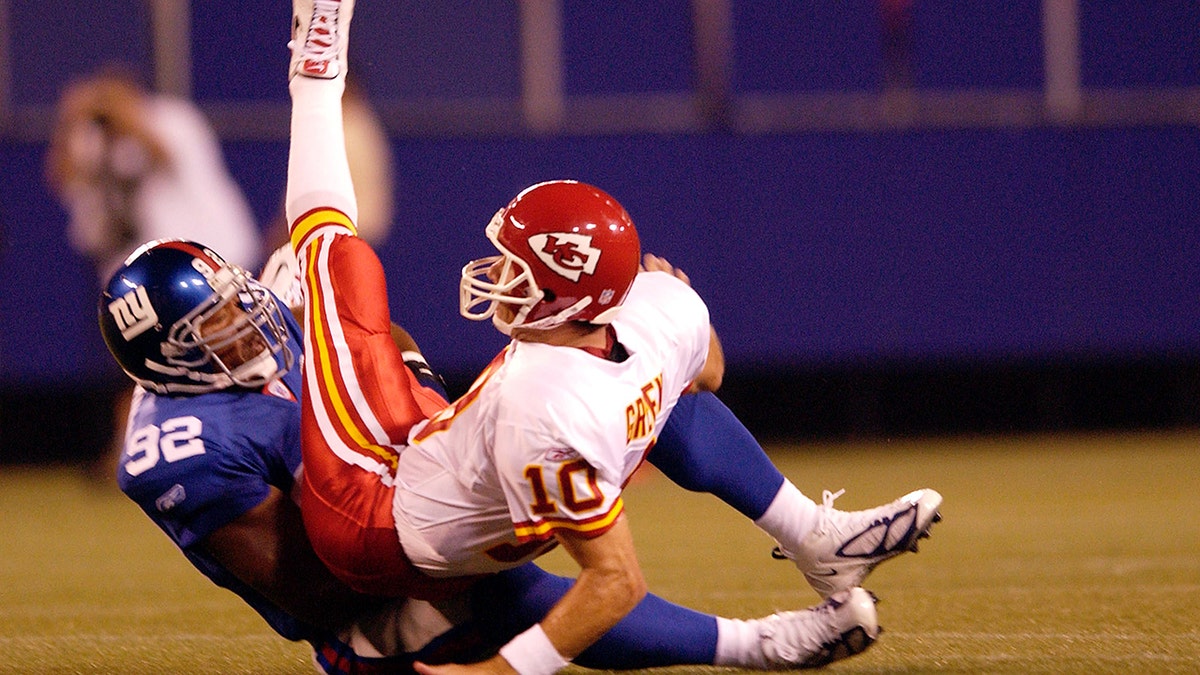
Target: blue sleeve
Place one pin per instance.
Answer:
(656, 633)
(705, 448)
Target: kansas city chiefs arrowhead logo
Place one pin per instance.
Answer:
(568, 254)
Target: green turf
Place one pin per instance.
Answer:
(1077, 554)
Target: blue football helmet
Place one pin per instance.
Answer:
(180, 320)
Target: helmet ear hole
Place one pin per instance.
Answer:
(549, 295)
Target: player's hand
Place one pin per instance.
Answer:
(653, 263)
(493, 666)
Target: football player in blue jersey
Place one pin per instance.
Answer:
(212, 455)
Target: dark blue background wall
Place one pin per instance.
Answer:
(811, 249)
(890, 272)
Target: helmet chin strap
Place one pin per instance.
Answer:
(504, 327)
(255, 372)
(607, 315)
(552, 321)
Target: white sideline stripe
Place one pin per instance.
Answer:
(1108, 635)
(1145, 588)
(158, 638)
(41, 610)
(990, 591)
(1077, 636)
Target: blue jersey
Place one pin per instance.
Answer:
(196, 463)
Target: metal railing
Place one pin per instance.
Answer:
(543, 108)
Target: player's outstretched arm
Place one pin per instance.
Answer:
(609, 586)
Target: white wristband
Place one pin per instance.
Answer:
(532, 653)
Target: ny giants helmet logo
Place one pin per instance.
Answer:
(133, 313)
(568, 254)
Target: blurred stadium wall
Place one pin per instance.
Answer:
(908, 216)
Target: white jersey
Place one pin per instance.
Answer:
(546, 438)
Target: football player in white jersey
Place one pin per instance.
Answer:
(404, 497)
(212, 456)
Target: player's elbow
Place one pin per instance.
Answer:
(710, 377)
(637, 586)
(627, 590)
(617, 590)
(713, 372)
(709, 380)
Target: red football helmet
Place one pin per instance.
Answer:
(568, 252)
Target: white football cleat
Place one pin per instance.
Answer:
(320, 34)
(842, 626)
(846, 545)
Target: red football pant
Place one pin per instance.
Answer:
(359, 403)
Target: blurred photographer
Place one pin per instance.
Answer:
(130, 166)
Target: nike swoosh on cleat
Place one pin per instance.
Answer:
(824, 573)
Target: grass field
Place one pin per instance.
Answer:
(1071, 554)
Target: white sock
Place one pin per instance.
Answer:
(318, 172)
(790, 517)
(738, 644)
